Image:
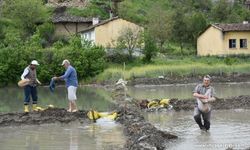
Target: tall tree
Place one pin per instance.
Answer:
(130, 39)
(196, 23)
(25, 13)
(150, 48)
(159, 24)
(179, 30)
(221, 10)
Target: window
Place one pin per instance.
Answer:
(232, 43)
(243, 43)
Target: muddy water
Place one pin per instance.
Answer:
(69, 137)
(229, 128)
(104, 134)
(11, 98)
(185, 90)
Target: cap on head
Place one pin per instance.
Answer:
(34, 62)
(207, 77)
(65, 61)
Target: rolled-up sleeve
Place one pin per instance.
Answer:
(25, 73)
(196, 89)
(66, 74)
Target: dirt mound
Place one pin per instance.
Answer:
(141, 134)
(51, 115)
(221, 78)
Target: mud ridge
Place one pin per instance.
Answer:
(140, 133)
(220, 78)
(238, 102)
(51, 115)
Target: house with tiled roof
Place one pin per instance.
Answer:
(106, 32)
(66, 24)
(224, 39)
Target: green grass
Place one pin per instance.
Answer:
(176, 67)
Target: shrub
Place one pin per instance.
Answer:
(88, 59)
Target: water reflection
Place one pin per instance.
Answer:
(11, 98)
(185, 90)
(71, 137)
(105, 134)
(73, 144)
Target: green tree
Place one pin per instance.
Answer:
(134, 10)
(25, 13)
(129, 39)
(202, 5)
(150, 48)
(159, 24)
(179, 30)
(238, 13)
(220, 11)
(5, 26)
(196, 23)
(46, 33)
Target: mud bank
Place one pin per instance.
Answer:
(239, 102)
(140, 133)
(51, 115)
(220, 78)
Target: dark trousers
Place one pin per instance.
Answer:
(30, 91)
(205, 117)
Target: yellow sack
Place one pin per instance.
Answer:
(112, 116)
(152, 104)
(93, 115)
(164, 102)
(96, 115)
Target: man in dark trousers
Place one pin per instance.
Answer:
(204, 94)
(30, 89)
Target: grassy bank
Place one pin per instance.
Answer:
(177, 67)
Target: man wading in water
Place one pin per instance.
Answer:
(204, 93)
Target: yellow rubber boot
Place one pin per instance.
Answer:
(26, 108)
(34, 107)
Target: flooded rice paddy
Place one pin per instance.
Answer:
(229, 128)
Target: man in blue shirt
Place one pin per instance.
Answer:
(70, 77)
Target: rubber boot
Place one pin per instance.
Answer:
(34, 107)
(26, 108)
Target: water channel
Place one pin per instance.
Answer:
(230, 128)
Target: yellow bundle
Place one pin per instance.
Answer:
(94, 115)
